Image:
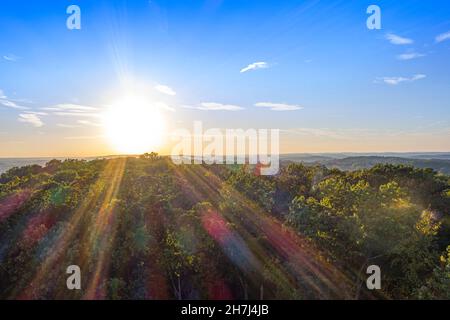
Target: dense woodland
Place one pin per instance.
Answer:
(143, 228)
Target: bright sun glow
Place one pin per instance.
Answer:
(134, 126)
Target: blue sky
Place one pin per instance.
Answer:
(341, 86)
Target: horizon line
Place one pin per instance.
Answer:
(246, 155)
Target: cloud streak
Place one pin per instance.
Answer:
(165, 90)
(80, 124)
(31, 118)
(84, 137)
(278, 106)
(397, 40)
(443, 37)
(397, 80)
(67, 126)
(73, 110)
(410, 56)
(163, 106)
(319, 132)
(77, 114)
(11, 58)
(214, 106)
(70, 107)
(89, 123)
(10, 103)
(255, 66)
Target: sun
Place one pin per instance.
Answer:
(133, 125)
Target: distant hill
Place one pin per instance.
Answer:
(9, 163)
(343, 161)
(309, 158)
(357, 163)
(366, 162)
(313, 157)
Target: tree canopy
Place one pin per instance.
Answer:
(144, 228)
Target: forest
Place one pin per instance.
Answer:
(144, 228)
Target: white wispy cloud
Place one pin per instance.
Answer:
(77, 114)
(79, 124)
(31, 119)
(89, 123)
(38, 113)
(11, 57)
(73, 110)
(278, 106)
(84, 137)
(67, 126)
(163, 106)
(165, 90)
(214, 106)
(410, 56)
(255, 66)
(443, 37)
(27, 116)
(10, 103)
(397, 40)
(397, 80)
(70, 107)
(319, 132)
